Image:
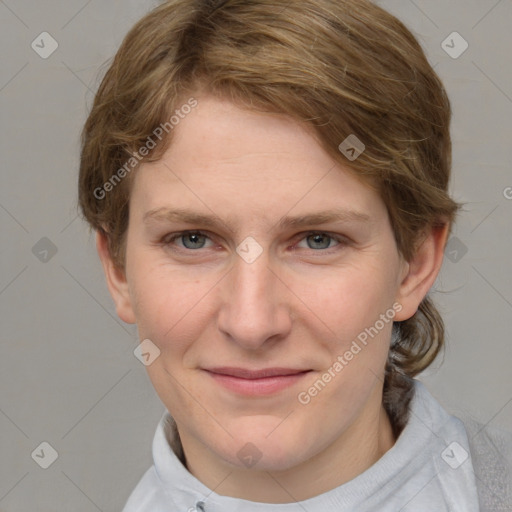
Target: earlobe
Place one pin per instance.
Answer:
(116, 281)
(421, 271)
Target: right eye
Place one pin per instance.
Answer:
(190, 240)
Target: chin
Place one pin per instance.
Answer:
(263, 449)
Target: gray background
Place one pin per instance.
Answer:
(68, 375)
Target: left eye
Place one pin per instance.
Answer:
(317, 241)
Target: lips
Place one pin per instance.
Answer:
(243, 373)
(247, 382)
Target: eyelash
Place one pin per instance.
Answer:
(169, 239)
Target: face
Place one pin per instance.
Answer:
(257, 265)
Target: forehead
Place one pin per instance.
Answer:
(220, 131)
(226, 161)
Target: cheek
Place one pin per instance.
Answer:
(348, 300)
(169, 306)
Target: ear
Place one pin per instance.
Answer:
(116, 281)
(421, 271)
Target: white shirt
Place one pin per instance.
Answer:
(429, 468)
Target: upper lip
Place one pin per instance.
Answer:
(245, 373)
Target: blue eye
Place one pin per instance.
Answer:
(318, 241)
(190, 239)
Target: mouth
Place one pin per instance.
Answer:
(249, 382)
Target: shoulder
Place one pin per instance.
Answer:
(147, 495)
(491, 454)
(490, 448)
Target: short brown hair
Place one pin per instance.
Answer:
(342, 67)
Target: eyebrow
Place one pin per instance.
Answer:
(287, 222)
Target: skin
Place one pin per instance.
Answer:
(300, 304)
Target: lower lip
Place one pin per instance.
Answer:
(257, 387)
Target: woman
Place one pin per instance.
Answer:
(269, 189)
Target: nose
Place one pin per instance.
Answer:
(255, 308)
